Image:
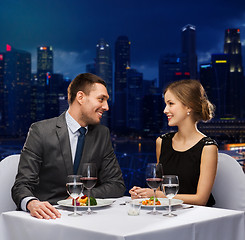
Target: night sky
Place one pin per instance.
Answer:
(73, 28)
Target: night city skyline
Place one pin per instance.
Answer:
(61, 38)
(73, 29)
(120, 59)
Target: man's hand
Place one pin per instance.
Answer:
(42, 210)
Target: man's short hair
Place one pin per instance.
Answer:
(82, 82)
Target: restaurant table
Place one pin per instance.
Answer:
(113, 222)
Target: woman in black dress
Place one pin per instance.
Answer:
(187, 153)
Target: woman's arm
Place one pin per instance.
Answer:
(158, 148)
(208, 169)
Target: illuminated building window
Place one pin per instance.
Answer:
(8, 48)
(220, 61)
(178, 73)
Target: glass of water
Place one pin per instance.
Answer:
(170, 185)
(74, 188)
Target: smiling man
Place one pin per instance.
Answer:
(49, 152)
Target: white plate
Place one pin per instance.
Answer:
(164, 202)
(100, 203)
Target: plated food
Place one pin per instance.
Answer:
(160, 202)
(100, 203)
(83, 201)
(150, 202)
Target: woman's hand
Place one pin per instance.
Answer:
(138, 192)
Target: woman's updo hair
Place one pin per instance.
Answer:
(192, 94)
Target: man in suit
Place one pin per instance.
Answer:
(48, 154)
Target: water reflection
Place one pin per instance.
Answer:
(133, 157)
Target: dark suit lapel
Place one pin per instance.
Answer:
(63, 136)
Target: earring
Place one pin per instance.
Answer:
(188, 113)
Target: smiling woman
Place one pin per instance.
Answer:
(187, 153)
(191, 95)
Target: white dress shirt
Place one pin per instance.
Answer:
(73, 127)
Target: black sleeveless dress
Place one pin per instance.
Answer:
(186, 164)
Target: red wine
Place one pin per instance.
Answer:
(89, 182)
(154, 183)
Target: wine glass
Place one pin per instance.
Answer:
(170, 188)
(89, 179)
(154, 179)
(74, 188)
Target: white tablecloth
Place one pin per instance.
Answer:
(113, 222)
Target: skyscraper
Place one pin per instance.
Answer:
(103, 68)
(17, 78)
(220, 94)
(1, 92)
(44, 70)
(122, 64)
(44, 59)
(172, 67)
(134, 99)
(206, 80)
(53, 91)
(189, 49)
(103, 64)
(153, 119)
(232, 46)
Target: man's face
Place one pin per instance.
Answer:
(94, 104)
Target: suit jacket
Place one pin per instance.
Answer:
(46, 161)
